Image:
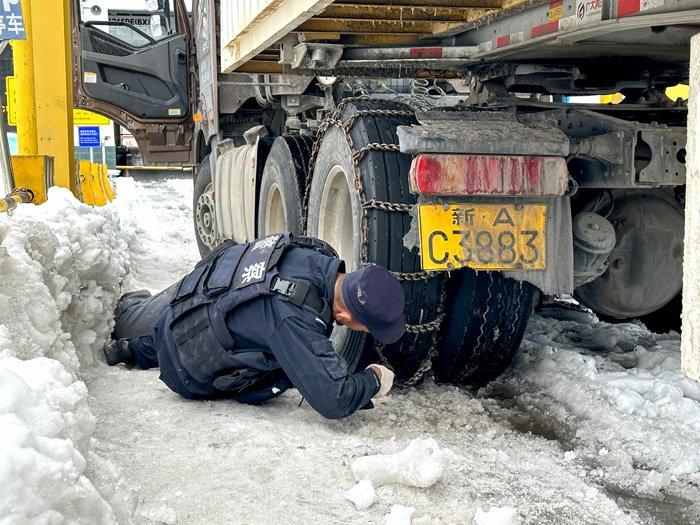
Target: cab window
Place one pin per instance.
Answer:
(137, 23)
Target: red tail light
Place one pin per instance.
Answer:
(438, 174)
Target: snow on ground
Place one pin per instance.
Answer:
(592, 424)
(160, 211)
(614, 395)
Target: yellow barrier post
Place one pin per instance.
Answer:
(109, 193)
(100, 198)
(50, 23)
(23, 62)
(85, 177)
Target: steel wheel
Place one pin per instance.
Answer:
(335, 222)
(203, 211)
(205, 221)
(274, 212)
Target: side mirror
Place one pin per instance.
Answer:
(159, 26)
(155, 5)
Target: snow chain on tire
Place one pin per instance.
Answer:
(334, 119)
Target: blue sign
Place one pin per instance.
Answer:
(11, 21)
(89, 136)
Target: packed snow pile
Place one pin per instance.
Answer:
(62, 265)
(616, 393)
(420, 464)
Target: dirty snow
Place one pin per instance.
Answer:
(615, 396)
(593, 424)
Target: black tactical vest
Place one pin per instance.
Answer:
(228, 277)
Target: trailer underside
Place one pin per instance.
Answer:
(394, 38)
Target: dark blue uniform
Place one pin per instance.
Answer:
(275, 344)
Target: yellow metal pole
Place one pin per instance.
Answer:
(23, 61)
(53, 84)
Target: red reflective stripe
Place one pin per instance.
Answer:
(545, 29)
(426, 52)
(448, 174)
(627, 7)
(503, 41)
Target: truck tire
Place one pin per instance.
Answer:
(335, 215)
(485, 319)
(203, 209)
(282, 186)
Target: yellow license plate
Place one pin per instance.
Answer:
(483, 236)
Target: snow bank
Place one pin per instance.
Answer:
(62, 264)
(616, 392)
(418, 465)
(61, 267)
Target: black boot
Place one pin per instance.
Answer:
(118, 352)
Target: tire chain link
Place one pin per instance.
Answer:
(427, 362)
(334, 119)
(387, 206)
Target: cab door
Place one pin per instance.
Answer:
(133, 64)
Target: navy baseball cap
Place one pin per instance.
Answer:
(375, 298)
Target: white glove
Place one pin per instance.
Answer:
(386, 379)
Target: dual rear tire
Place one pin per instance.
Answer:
(280, 201)
(485, 314)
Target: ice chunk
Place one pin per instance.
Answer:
(399, 515)
(570, 455)
(418, 465)
(362, 494)
(497, 516)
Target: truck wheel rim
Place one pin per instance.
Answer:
(205, 217)
(335, 224)
(274, 212)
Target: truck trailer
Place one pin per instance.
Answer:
(462, 144)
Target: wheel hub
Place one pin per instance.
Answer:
(205, 218)
(336, 216)
(274, 218)
(645, 267)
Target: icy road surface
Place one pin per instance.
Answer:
(593, 424)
